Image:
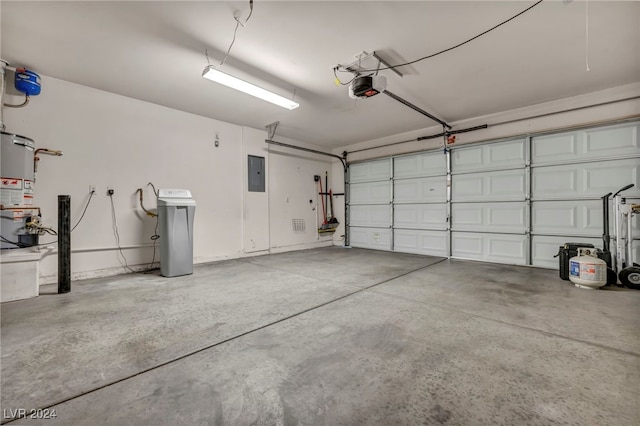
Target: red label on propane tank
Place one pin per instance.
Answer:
(588, 271)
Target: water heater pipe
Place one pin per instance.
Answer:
(47, 151)
(3, 65)
(22, 105)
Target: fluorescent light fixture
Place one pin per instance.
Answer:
(235, 83)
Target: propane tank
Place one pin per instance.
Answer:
(586, 270)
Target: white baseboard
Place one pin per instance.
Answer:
(119, 270)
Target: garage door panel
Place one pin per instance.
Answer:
(501, 248)
(420, 216)
(585, 180)
(616, 140)
(370, 215)
(567, 218)
(373, 238)
(599, 179)
(544, 248)
(500, 155)
(370, 171)
(370, 193)
(604, 142)
(554, 148)
(432, 243)
(468, 246)
(430, 164)
(507, 185)
(424, 190)
(558, 182)
(489, 217)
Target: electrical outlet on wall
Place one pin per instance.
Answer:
(110, 192)
(92, 188)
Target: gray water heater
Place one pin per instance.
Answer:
(16, 188)
(16, 169)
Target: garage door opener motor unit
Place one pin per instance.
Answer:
(367, 86)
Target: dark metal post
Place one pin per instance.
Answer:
(64, 244)
(606, 238)
(326, 193)
(346, 205)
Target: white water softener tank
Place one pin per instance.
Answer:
(586, 270)
(176, 210)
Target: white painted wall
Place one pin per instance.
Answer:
(255, 219)
(122, 143)
(291, 194)
(294, 195)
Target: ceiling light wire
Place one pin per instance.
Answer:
(235, 31)
(231, 45)
(337, 80)
(338, 68)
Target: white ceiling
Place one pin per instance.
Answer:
(154, 51)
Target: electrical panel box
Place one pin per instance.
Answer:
(256, 174)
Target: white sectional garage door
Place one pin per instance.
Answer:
(369, 207)
(489, 202)
(513, 201)
(570, 173)
(420, 207)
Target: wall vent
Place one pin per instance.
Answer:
(298, 225)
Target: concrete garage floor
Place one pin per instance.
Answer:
(326, 336)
